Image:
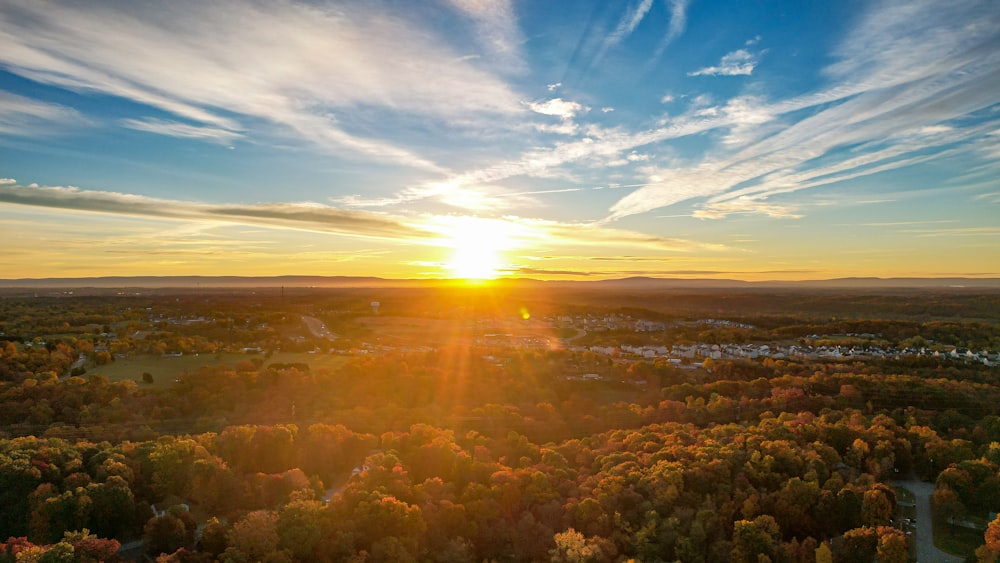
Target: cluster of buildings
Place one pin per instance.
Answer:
(680, 352)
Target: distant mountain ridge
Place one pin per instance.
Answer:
(633, 283)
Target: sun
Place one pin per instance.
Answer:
(478, 246)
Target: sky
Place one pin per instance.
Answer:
(591, 139)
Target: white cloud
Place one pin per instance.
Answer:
(607, 109)
(558, 107)
(667, 98)
(738, 63)
(554, 87)
(565, 127)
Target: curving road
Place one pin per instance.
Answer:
(926, 552)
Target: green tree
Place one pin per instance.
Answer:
(164, 534)
(754, 538)
(299, 530)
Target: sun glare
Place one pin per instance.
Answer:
(478, 247)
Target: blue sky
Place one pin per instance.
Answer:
(754, 140)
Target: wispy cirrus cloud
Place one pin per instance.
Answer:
(542, 232)
(634, 15)
(902, 93)
(24, 116)
(630, 20)
(678, 21)
(273, 62)
(497, 30)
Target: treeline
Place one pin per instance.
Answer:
(487, 391)
(780, 487)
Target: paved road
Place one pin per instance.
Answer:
(926, 552)
(79, 363)
(317, 328)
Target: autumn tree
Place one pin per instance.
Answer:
(254, 537)
(214, 538)
(574, 547)
(892, 545)
(877, 505)
(859, 545)
(990, 551)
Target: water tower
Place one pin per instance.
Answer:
(375, 306)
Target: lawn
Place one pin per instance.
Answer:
(166, 369)
(956, 539)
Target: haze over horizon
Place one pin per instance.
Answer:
(466, 138)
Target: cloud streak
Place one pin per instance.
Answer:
(182, 130)
(303, 216)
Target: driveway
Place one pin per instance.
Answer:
(926, 552)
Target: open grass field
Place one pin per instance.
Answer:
(166, 369)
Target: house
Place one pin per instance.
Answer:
(161, 508)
